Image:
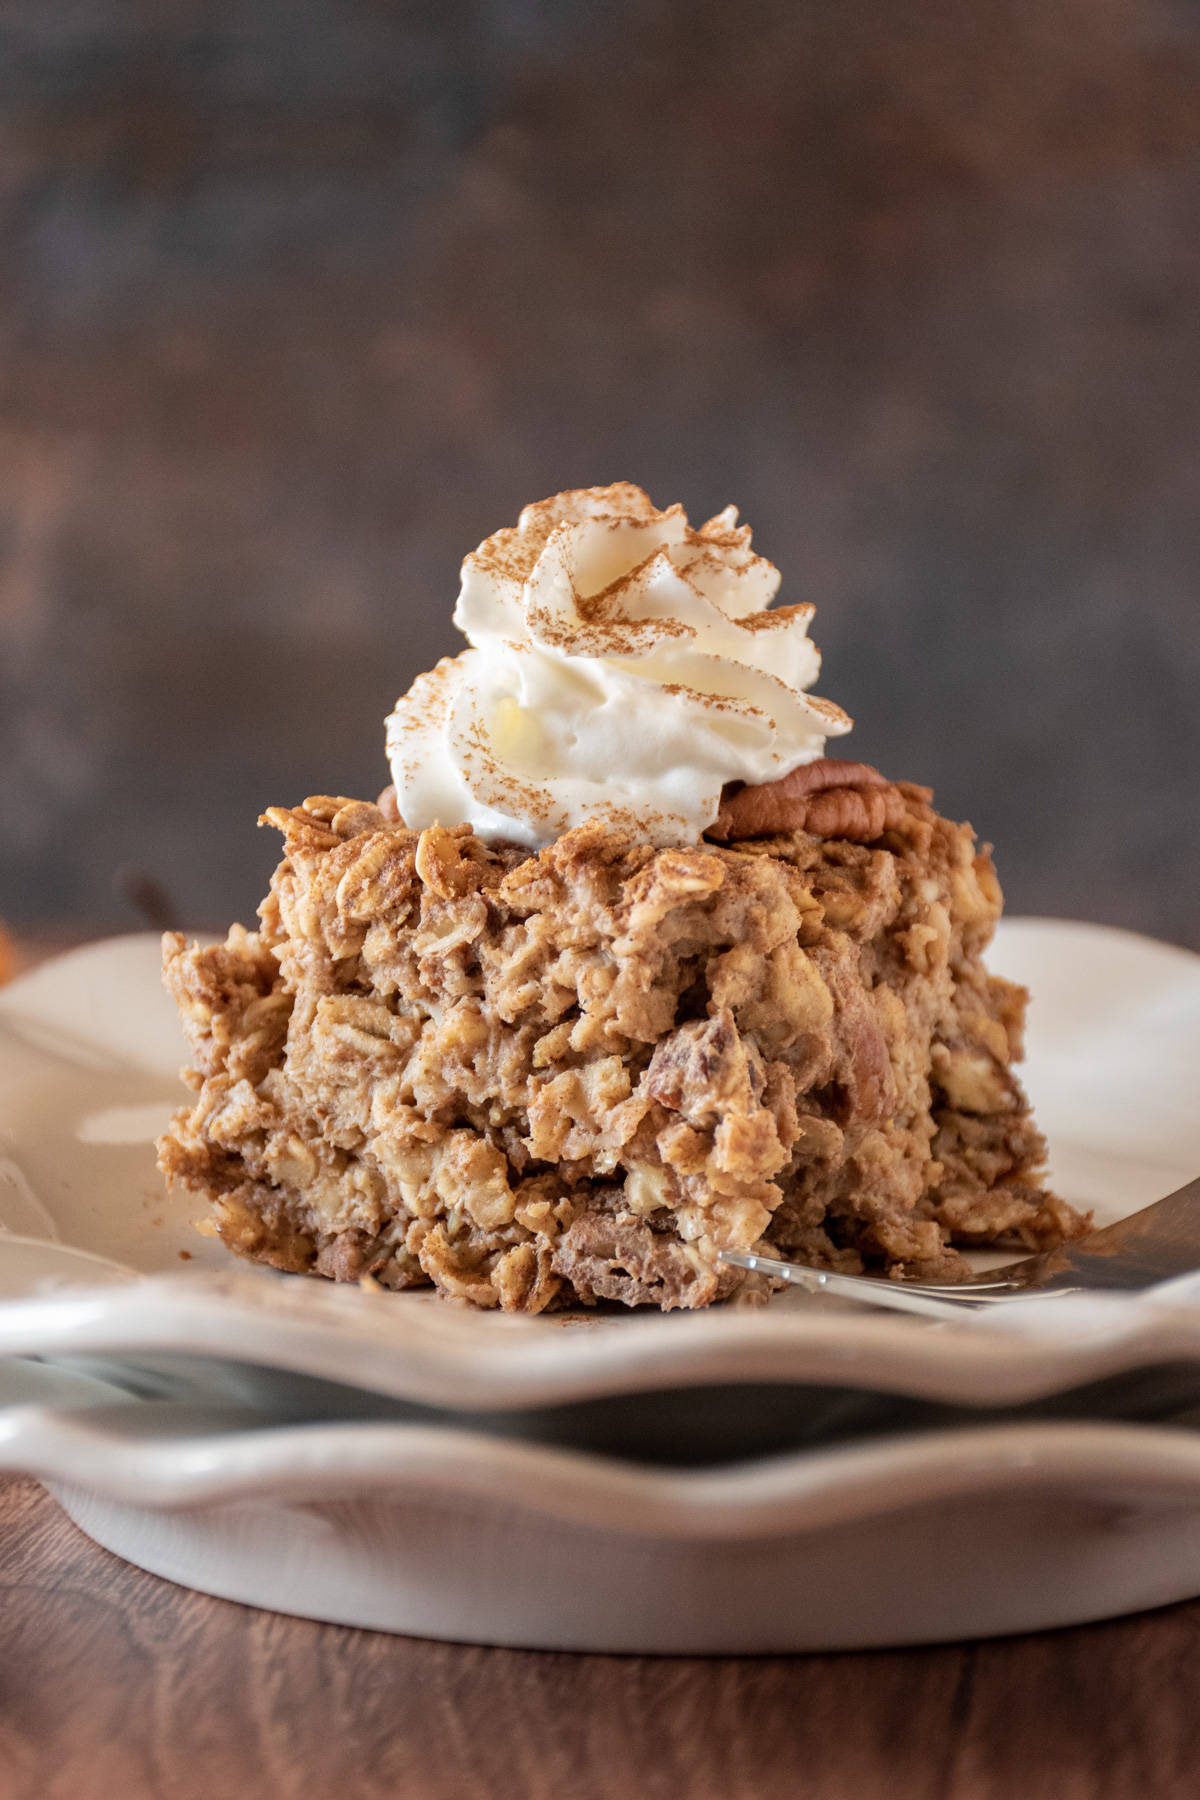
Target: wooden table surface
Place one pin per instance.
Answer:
(116, 1684)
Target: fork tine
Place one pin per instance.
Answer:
(1135, 1253)
(931, 1299)
(892, 1296)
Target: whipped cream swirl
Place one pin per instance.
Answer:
(623, 667)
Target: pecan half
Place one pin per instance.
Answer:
(828, 798)
(388, 806)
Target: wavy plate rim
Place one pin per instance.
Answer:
(801, 1493)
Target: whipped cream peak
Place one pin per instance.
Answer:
(623, 666)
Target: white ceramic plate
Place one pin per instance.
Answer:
(89, 1047)
(468, 1533)
(442, 1533)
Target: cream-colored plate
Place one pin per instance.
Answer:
(505, 1529)
(89, 1048)
(449, 1533)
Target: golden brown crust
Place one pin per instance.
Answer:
(535, 1080)
(827, 798)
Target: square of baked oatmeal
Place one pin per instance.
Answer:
(538, 1079)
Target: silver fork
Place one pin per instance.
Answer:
(1148, 1247)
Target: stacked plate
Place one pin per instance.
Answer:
(808, 1476)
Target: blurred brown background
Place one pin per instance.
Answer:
(299, 301)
